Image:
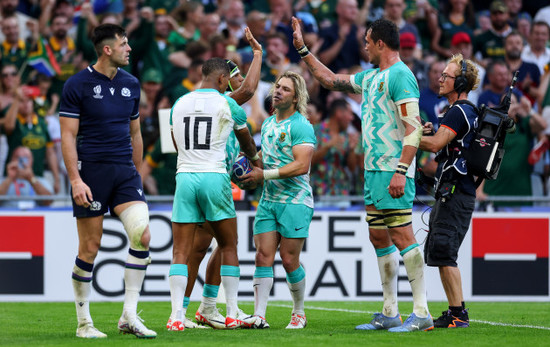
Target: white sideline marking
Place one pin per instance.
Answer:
(15, 255)
(372, 312)
(510, 257)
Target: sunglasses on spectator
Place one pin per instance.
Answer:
(6, 74)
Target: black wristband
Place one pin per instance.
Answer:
(303, 51)
(401, 172)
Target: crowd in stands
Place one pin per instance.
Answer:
(44, 42)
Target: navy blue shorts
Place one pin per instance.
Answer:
(111, 185)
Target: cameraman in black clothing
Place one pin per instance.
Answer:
(455, 187)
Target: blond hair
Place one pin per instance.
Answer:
(300, 90)
(472, 73)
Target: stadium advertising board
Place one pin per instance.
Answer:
(504, 257)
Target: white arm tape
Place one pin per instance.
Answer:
(411, 118)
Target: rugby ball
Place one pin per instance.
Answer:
(241, 167)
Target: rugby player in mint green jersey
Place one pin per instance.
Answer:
(286, 206)
(391, 132)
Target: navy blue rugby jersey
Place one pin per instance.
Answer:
(104, 108)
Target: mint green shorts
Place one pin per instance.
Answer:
(376, 191)
(290, 220)
(202, 196)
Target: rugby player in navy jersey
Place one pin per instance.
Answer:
(102, 146)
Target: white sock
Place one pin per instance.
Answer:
(388, 265)
(298, 290)
(231, 287)
(82, 290)
(178, 283)
(207, 302)
(414, 263)
(133, 279)
(262, 287)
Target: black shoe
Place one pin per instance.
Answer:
(447, 320)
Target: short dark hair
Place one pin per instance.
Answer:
(105, 32)
(385, 30)
(338, 104)
(514, 32)
(491, 66)
(195, 49)
(540, 23)
(215, 65)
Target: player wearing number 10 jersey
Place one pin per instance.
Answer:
(201, 122)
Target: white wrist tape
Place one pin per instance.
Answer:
(272, 174)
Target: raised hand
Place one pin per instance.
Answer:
(297, 40)
(254, 44)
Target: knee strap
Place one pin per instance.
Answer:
(376, 219)
(398, 218)
(135, 219)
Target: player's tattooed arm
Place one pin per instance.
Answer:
(327, 78)
(343, 84)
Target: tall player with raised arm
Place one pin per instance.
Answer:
(201, 123)
(391, 132)
(102, 147)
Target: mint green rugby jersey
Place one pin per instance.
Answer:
(278, 138)
(382, 128)
(232, 149)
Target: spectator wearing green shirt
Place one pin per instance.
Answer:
(489, 45)
(158, 171)
(15, 50)
(188, 83)
(23, 127)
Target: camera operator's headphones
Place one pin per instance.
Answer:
(461, 82)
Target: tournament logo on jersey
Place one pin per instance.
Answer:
(125, 92)
(22, 255)
(97, 91)
(282, 137)
(510, 248)
(381, 87)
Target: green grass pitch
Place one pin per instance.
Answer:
(329, 324)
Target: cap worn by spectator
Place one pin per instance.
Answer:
(460, 37)
(498, 6)
(525, 15)
(152, 75)
(407, 40)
